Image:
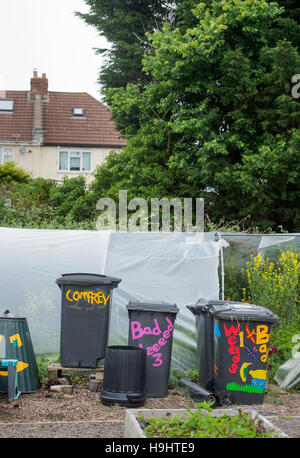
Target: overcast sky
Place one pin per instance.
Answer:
(45, 34)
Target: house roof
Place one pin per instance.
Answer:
(17, 126)
(60, 127)
(94, 128)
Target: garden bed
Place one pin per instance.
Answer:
(230, 422)
(53, 414)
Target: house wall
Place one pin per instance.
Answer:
(43, 161)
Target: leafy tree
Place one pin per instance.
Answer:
(216, 118)
(69, 199)
(124, 23)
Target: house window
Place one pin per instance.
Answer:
(6, 105)
(78, 112)
(6, 155)
(74, 161)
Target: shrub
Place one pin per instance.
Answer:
(10, 172)
(275, 287)
(281, 345)
(64, 197)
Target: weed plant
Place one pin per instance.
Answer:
(200, 424)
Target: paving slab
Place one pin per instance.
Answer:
(288, 424)
(83, 429)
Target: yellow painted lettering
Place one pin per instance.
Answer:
(67, 295)
(86, 296)
(263, 348)
(262, 335)
(76, 296)
(264, 358)
(100, 297)
(91, 297)
(241, 334)
(106, 298)
(97, 298)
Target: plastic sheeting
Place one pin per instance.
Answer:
(31, 261)
(172, 267)
(241, 245)
(288, 375)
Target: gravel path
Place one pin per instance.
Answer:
(289, 425)
(82, 415)
(70, 430)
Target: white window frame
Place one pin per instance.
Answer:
(62, 150)
(3, 151)
(6, 105)
(78, 112)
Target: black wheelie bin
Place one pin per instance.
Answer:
(85, 313)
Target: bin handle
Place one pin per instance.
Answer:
(134, 397)
(84, 273)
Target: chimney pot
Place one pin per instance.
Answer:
(38, 86)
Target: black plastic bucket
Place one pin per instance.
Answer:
(124, 376)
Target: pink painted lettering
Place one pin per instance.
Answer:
(137, 332)
(158, 360)
(170, 326)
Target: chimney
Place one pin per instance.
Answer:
(38, 94)
(38, 86)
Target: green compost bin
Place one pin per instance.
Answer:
(15, 343)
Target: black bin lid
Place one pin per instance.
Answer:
(228, 310)
(87, 279)
(245, 312)
(152, 306)
(205, 305)
(7, 315)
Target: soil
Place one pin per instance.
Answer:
(47, 414)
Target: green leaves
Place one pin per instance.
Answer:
(124, 23)
(10, 172)
(200, 424)
(215, 112)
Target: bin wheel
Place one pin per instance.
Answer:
(226, 402)
(212, 398)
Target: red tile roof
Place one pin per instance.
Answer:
(59, 126)
(17, 126)
(95, 128)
